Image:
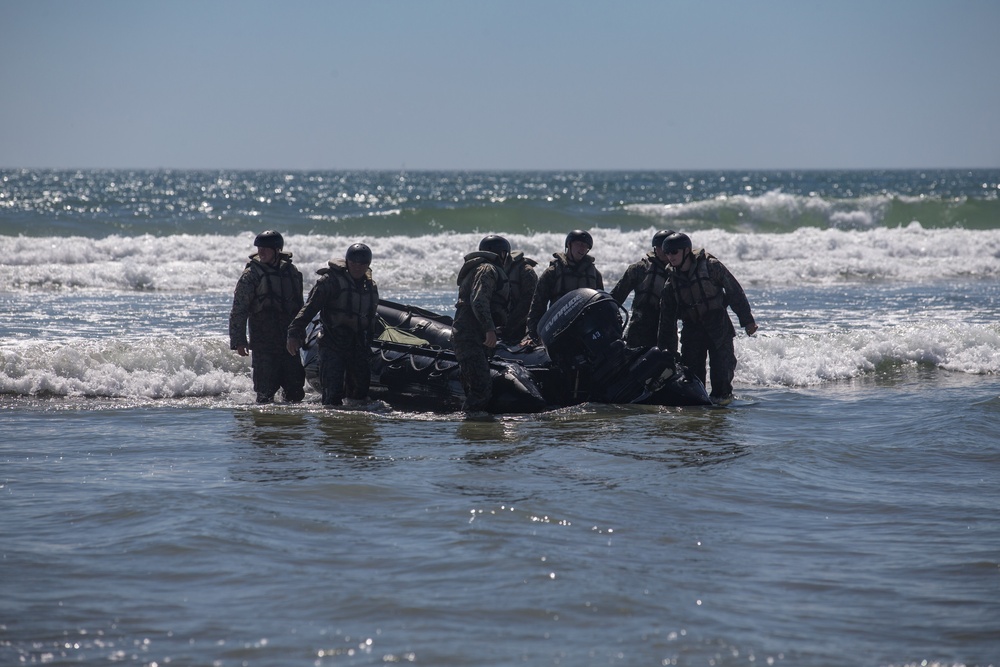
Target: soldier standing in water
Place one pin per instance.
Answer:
(268, 295)
(481, 310)
(698, 292)
(346, 297)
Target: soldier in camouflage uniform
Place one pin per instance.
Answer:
(520, 272)
(481, 309)
(347, 299)
(698, 292)
(567, 271)
(267, 297)
(646, 277)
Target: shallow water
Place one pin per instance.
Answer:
(836, 525)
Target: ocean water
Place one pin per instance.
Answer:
(843, 512)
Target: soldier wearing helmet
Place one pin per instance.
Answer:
(522, 279)
(346, 298)
(480, 311)
(267, 297)
(646, 278)
(698, 292)
(569, 270)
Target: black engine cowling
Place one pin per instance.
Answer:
(583, 328)
(583, 332)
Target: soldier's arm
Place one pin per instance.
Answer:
(318, 296)
(299, 302)
(484, 284)
(240, 313)
(625, 285)
(539, 302)
(370, 334)
(666, 334)
(735, 296)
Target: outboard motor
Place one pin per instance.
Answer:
(582, 332)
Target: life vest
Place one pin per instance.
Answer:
(279, 288)
(571, 276)
(696, 294)
(519, 265)
(647, 292)
(355, 303)
(501, 295)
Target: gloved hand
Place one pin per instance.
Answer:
(675, 358)
(529, 342)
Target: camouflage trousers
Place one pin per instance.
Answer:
(474, 364)
(345, 371)
(712, 338)
(278, 370)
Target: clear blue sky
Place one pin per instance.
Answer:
(520, 84)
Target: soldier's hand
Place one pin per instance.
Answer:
(293, 345)
(751, 329)
(491, 339)
(243, 351)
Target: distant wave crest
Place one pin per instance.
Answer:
(777, 211)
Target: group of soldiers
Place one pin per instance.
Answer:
(500, 300)
(268, 302)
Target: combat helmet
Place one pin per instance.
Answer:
(498, 245)
(269, 239)
(360, 253)
(580, 235)
(677, 241)
(661, 236)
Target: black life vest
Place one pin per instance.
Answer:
(278, 288)
(519, 265)
(696, 294)
(647, 292)
(356, 301)
(571, 276)
(501, 295)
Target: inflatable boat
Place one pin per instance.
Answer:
(583, 358)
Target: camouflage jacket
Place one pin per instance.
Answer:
(343, 303)
(699, 296)
(482, 295)
(265, 301)
(647, 278)
(523, 279)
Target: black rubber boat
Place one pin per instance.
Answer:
(583, 359)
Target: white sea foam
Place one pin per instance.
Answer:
(165, 366)
(212, 263)
(159, 366)
(798, 360)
